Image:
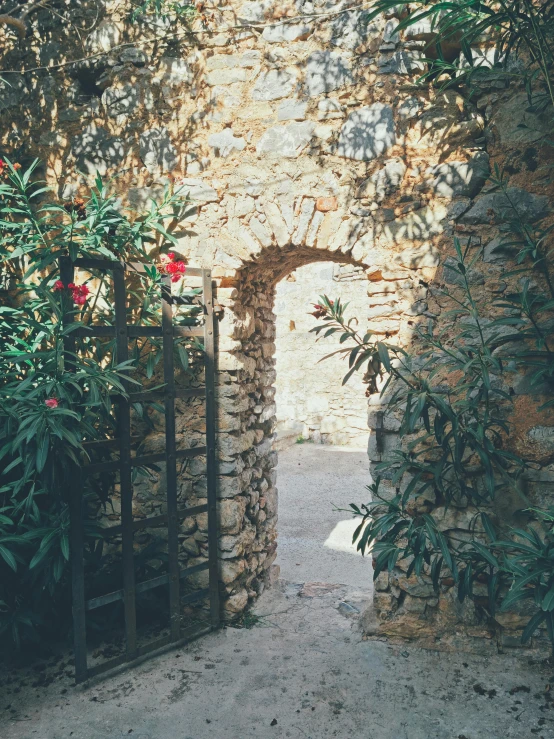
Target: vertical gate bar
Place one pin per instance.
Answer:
(126, 483)
(171, 460)
(211, 458)
(77, 532)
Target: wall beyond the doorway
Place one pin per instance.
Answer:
(311, 401)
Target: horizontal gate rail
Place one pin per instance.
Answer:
(122, 332)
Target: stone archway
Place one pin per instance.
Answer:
(248, 480)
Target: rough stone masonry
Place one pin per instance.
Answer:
(300, 137)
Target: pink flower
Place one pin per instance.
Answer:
(58, 285)
(52, 403)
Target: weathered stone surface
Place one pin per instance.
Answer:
(157, 150)
(292, 110)
(248, 60)
(417, 226)
(198, 191)
(326, 204)
(274, 84)
(121, 100)
(416, 257)
(496, 252)
(12, 92)
(226, 143)
(367, 133)
(328, 109)
(452, 277)
(286, 32)
(173, 72)
(253, 12)
(135, 56)
(498, 208)
(383, 182)
(286, 141)
(401, 62)
(326, 71)
(516, 124)
(461, 179)
(104, 37)
(96, 152)
(350, 30)
(409, 108)
(226, 77)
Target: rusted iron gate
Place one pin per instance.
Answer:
(122, 332)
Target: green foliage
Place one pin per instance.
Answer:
(52, 405)
(522, 28)
(166, 10)
(453, 400)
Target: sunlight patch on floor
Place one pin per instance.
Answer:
(340, 538)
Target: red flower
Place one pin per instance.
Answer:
(171, 267)
(320, 311)
(78, 292)
(52, 403)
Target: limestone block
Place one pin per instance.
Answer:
(452, 276)
(157, 150)
(230, 445)
(516, 124)
(134, 56)
(364, 249)
(255, 11)
(104, 37)
(408, 108)
(277, 223)
(328, 109)
(233, 546)
(383, 182)
(499, 208)
(292, 110)
(461, 179)
(417, 587)
(416, 257)
(247, 60)
(401, 62)
(274, 84)
(251, 244)
(349, 30)
(121, 100)
(173, 72)
(198, 191)
(317, 220)
(237, 602)
(226, 76)
(284, 33)
(260, 231)
(367, 133)
(331, 223)
(96, 152)
(326, 71)
(226, 143)
(306, 212)
(417, 226)
(390, 34)
(286, 141)
(230, 570)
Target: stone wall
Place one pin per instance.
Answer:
(311, 401)
(300, 136)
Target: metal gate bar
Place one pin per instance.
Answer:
(122, 332)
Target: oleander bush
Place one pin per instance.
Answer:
(51, 403)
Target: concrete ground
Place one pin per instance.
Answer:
(315, 540)
(302, 670)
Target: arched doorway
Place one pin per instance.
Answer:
(248, 481)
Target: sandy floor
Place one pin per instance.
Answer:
(303, 670)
